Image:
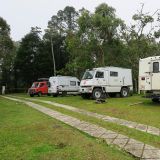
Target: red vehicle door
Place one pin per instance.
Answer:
(43, 87)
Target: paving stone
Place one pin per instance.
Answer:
(109, 135)
(99, 116)
(120, 142)
(133, 141)
(110, 119)
(130, 124)
(91, 128)
(96, 133)
(137, 153)
(153, 130)
(120, 136)
(149, 147)
(83, 126)
(76, 123)
(142, 127)
(134, 146)
(151, 154)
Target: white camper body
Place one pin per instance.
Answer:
(99, 81)
(63, 85)
(149, 76)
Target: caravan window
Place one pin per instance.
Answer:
(113, 74)
(155, 67)
(99, 75)
(73, 83)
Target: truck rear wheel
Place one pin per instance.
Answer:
(156, 100)
(64, 93)
(31, 95)
(124, 92)
(97, 93)
(55, 94)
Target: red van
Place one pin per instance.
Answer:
(38, 88)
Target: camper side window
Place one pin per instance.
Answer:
(155, 67)
(73, 83)
(99, 75)
(113, 74)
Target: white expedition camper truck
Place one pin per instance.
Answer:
(149, 77)
(63, 85)
(99, 81)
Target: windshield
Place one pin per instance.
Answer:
(34, 85)
(88, 75)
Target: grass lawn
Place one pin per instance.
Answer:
(123, 103)
(146, 113)
(26, 134)
(138, 135)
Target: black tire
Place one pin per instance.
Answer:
(64, 93)
(85, 96)
(97, 93)
(55, 95)
(156, 100)
(124, 92)
(31, 95)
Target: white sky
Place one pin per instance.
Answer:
(21, 15)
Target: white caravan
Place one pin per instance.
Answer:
(99, 81)
(149, 77)
(63, 85)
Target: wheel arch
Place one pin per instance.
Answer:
(100, 87)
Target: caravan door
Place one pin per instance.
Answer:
(156, 75)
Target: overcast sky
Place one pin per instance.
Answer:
(21, 15)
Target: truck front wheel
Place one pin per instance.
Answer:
(155, 100)
(97, 93)
(31, 95)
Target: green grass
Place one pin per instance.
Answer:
(141, 136)
(26, 134)
(138, 135)
(146, 113)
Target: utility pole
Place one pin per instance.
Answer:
(54, 65)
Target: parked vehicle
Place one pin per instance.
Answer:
(39, 88)
(99, 81)
(63, 85)
(149, 77)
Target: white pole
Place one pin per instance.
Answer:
(3, 89)
(54, 64)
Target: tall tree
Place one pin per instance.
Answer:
(140, 39)
(7, 52)
(59, 27)
(26, 58)
(91, 45)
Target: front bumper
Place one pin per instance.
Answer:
(32, 92)
(86, 90)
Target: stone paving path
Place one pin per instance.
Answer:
(136, 148)
(141, 127)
